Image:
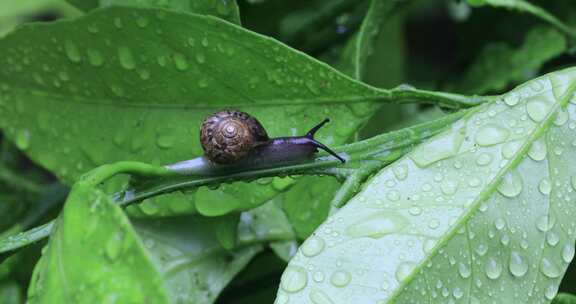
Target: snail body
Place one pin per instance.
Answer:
(236, 138)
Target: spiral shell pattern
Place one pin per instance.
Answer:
(229, 136)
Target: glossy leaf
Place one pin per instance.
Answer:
(227, 10)
(498, 64)
(483, 211)
(193, 265)
(92, 233)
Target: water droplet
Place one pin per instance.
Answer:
(95, 58)
(544, 223)
(544, 186)
(22, 139)
(499, 223)
(511, 184)
(568, 252)
(511, 99)
(393, 195)
(317, 296)
(377, 224)
(449, 187)
(491, 134)
(552, 238)
(200, 58)
(537, 110)
(205, 42)
(518, 265)
(404, 270)
(464, 270)
(573, 182)
(113, 246)
(72, 51)
(340, 278)
(561, 117)
(457, 293)
(484, 159)
(142, 22)
(415, 210)
(538, 150)
(181, 62)
(433, 224)
(493, 269)
(318, 276)
(549, 269)
(118, 23)
(510, 149)
(293, 279)
(313, 246)
(126, 58)
(551, 292)
(401, 172)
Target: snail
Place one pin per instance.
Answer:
(236, 138)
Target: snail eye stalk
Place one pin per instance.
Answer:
(319, 145)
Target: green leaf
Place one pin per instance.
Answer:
(194, 266)
(564, 298)
(115, 101)
(527, 7)
(361, 46)
(94, 243)
(478, 213)
(307, 203)
(498, 64)
(225, 9)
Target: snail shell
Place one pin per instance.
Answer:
(229, 136)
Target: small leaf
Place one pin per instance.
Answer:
(479, 212)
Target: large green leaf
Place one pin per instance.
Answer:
(225, 9)
(94, 255)
(161, 261)
(85, 5)
(482, 212)
(498, 64)
(141, 92)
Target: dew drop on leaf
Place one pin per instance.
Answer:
(568, 252)
(484, 159)
(491, 134)
(317, 296)
(518, 265)
(377, 225)
(72, 51)
(312, 246)
(511, 184)
(551, 292)
(464, 270)
(549, 269)
(126, 58)
(340, 278)
(293, 279)
(537, 110)
(404, 270)
(22, 139)
(544, 186)
(538, 150)
(493, 269)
